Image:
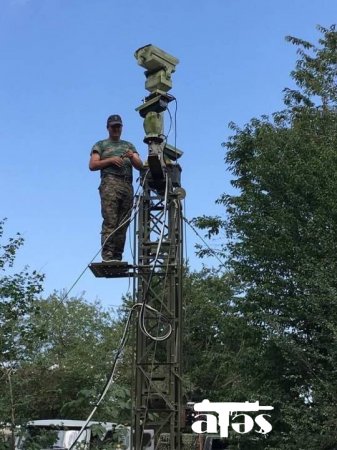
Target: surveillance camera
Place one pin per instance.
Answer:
(153, 58)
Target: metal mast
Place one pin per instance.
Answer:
(158, 395)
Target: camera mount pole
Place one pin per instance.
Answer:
(157, 393)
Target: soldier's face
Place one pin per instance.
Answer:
(115, 131)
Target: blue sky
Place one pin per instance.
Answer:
(68, 64)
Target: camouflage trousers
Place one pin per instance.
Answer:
(116, 205)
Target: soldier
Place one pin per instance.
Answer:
(115, 159)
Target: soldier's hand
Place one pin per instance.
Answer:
(128, 154)
(117, 161)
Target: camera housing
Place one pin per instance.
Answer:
(159, 66)
(153, 58)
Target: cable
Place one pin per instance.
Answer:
(142, 324)
(203, 240)
(145, 308)
(142, 312)
(185, 235)
(131, 247)
(152, 364)
(113, 369)
(168, 110)
(124, 336)
(175, 125)
(112, 373)
(110, 379)
(94, 257)
(171, 121)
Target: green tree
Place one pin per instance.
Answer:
(18, 293)
(216, 340)
(69, 361)
(281, 229)
(56, 353)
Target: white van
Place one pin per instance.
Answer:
(59, 434)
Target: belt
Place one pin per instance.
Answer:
(120, 177)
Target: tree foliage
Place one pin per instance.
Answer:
(56, 353)
(213, 338)
(281, 229)
(68, 362)
(18, 292)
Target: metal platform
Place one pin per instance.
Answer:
(117, 269)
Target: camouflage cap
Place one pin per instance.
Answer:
(115, 119)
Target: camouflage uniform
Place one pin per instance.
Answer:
(116, 194)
